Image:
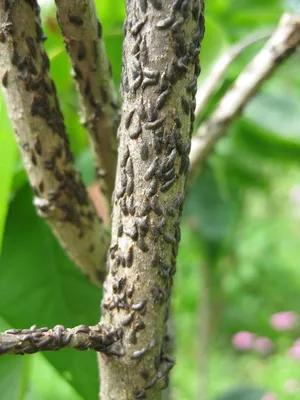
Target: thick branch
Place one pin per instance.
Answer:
(281, 45)
(82, 34)
(215, 78)
(159, 80)
(60, 195)
(27, 341)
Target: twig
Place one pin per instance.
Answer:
(82, 34)
(281, 45)
(27, 341)
(30, 94)
(215, 78)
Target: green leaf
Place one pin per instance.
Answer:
(13, 372)
(8, 154)
(39, 284)
(31, 378)
(251, 138)
(46, 383)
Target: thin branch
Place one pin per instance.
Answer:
(159, 77)
(215, 78)
(82, 34)
(281, 45)
(27, 341)
(30, 94)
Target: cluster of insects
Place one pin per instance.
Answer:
(155, 143)
(34, 339)
(56, 183)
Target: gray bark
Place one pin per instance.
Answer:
(160, 68)
(82, 34)
(30, 95)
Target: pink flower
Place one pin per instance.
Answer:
(263, 345)
(297, 342)
(269, 396)
(294, 352)
(243, 340)
(291, 386)
(283, 321)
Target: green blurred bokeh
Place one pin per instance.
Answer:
(241, 223)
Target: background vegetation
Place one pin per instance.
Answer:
(241, 224)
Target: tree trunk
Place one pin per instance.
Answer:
(159, 80)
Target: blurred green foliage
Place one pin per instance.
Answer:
(239, 218)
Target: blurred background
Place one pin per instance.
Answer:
(236, 300)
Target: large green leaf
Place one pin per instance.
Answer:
(40, 285)
(32, 378)
(8, 153)
(13, 373)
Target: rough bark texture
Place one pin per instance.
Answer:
(82, 34)
(33, 108)
(82, 337)
(281, 45)
(160, 69)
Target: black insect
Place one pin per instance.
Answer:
(151, 169)
(99, 29)
(130, 186)
(5, 79)
(127, 320)
(129, 167)
(75, 19)
(136, 132)
(143, 5)
(136, 28)
(166, 23)
(160, 102)
(81, 53)
(128, 118)
(31, 46)
(152, 189)
(129, 257)
(155, 124)
(138, 354)
(157, 4)
(144, 150)
(139, 306)
(38, 146)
